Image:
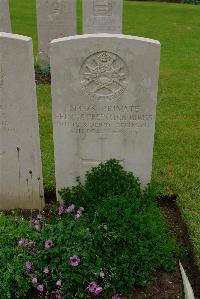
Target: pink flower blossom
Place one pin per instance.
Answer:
(70, 208)
(34, 280)
(37, 227)
(59, 283)
(116, 296)
(74, 260)
(40, 288)
(46, 270)
(61, 210)
(21, 243)
(78, 214)
(32, 251)
(101, 274)
(30, 244)
(56, 295)
(98, 290)
(92, 287)
(48, 244)
(28, 266)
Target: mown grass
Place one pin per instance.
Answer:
(177, 151)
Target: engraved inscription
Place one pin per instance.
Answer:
(104, 76)
(102, 7)
(85, 119)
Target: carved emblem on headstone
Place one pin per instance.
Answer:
(104, 76)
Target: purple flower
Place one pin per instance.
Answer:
(48, 244)
(60, 210)
(92, 287)
(78, 214)
(116, 296)
(70, 208)
(40, 288)
(30, 244)
(46, 270)
(21, 243)
(37, 227)
(28, 266)
(32, 251)
(101, 274)
(36, 222)
(59, 283)
(74, 260)
(56, 295)
(34, 280)
(98, 290)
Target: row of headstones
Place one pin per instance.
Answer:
(104, 89)
(57, 18)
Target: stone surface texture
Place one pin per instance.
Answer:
(102, 16)
(55, 19)
(5, 25)
(21, 183)
(104, 89)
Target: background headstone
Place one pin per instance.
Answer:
(55, 19)
(104, 90)
(5, 25)
(102, 16)
(21, 183)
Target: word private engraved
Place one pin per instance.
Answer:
(102, 7)
(104, 76)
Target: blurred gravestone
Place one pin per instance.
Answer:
(102, 16)
(104, 90)
(5, 25)
(21, 183)
(55, 19)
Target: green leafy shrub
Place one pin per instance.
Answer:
(14, 282)
(107, 237)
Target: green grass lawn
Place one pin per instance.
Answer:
(177, 151)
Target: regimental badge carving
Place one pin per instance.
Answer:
(104, 76)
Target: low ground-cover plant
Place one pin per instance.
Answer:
(107, 237)
(14, 281)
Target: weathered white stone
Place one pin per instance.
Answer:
(102, 16)
(21, 183)
(104, 90)
(5, 25)
(55, 19)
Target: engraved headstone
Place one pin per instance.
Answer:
(21, 183)
(102, 16)
(55, 19)
(5, 25)
(104, 90)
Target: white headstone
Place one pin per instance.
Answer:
(55, 19)
(104, 90)
(102, 16)
(21, 183)
(5, 25)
